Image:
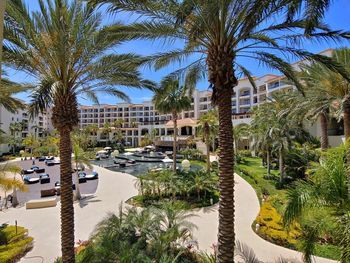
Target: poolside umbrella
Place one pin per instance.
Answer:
(108, 148)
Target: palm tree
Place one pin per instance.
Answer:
(2, 13)
(239, 131)
(80, 159)
(172, 98)
(324, 190)
(216, 34)
(208, 123)
(68, 57)
(15, 139)
(8, 183)
(31, 142)
(106, 130)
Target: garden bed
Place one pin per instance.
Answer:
(14, 244)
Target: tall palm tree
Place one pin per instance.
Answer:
(68, 57)
(80, 159)
(2, 13)
(172, 98)
(239, 131)
(208, 124)
(31, 142)
(216, 35)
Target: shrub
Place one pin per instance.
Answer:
(16, 245)
(193, 154)
(245, 153)
(272, 229)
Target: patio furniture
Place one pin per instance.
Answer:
(122, 165)
(44, 178)
(50, 163)
(48, 192)
(28, 180)
(40, 171)
(28, 171)
(131, 161)
(34, 168)
(82, 180)
(58, 190)
(41, 203)
(92, 176)
(42, 159)
(50, 158)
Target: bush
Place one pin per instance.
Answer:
(245, 153)
(16, 245)
(272, 229)
(193, 154)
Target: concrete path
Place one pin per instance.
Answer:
(115, 187)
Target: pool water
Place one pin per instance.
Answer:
(142, 164)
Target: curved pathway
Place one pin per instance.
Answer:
(114, 188)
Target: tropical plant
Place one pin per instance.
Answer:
(218, 34)
(31, 142)
(324, 194)
(147, 235)
(208, 127)
(68, 58)
(80, 159)
(7, 183)
(106, 130)
(239, 132)
(171, 98)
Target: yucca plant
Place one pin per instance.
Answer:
(215, 36)
(65, 48)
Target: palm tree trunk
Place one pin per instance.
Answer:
(324, 131)
(226, 235)
(281, 165)
(67, 209)
(2, 12)
(175, 141)
(207, 142)
(76, 181)
(346, 120)
(268, 163)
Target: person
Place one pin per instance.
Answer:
(33, 162)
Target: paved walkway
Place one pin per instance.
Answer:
(113, 188)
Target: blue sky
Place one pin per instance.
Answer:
(337, 17)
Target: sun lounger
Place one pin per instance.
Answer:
(28, 180)
(41, 203)
(28, 171)
(44, 178)
(40, 171)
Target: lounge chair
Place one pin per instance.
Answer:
(92, 176)
(35, 168)
(42, 159)
(28, 180)
(44, 178)
(40, 171)
(28, 171)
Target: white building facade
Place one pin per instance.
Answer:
(36, 126)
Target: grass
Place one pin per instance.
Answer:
(14, 245)
(253, 172)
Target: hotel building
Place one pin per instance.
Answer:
(36, 126)
(141, 119)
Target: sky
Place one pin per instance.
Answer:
(337, 17)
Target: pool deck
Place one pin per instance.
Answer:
(114, 188)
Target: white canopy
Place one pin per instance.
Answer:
(102, 151)
(108, 148)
